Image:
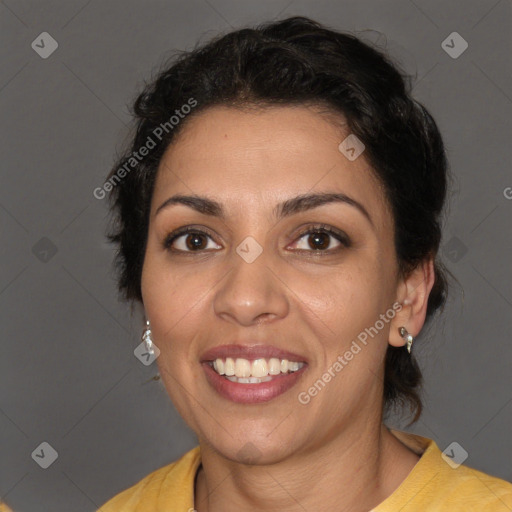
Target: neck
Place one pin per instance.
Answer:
(353, 472)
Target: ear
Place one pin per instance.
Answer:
(412, 293)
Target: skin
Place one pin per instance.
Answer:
(293, 296)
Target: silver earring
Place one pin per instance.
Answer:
(409, 338)
(146, 338)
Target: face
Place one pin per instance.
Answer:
(263, 277)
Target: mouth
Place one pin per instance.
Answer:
(253, 374)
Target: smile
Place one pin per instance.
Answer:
(252, 382)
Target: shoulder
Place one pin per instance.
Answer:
(173, 483)
(439, 484)
(478, 490)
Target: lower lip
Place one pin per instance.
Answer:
(251, 393)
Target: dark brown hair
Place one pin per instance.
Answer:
(290, 62)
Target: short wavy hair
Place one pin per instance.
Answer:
(292, 62)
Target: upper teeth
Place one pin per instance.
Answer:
(258, 368)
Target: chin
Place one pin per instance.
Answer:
(257, 444)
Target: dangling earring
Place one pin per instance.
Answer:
(146, 338)
(409, 338)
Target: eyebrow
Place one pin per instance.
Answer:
(287, 208)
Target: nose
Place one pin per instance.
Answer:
(251, 293)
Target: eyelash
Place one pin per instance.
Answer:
(340, 236)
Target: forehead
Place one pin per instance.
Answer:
(261, 157)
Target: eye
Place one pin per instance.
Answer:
(189, 239)
(322, 238)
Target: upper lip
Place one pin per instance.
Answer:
(250, 352)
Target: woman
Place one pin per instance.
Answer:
(278, 216)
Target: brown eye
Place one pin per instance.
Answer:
(195, 241)
(322, 239)
(319, 240)
(189, 240)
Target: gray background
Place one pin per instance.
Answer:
(67, 369)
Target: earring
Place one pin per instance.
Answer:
(146, 338)
(409, 338)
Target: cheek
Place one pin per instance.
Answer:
(344, 301)
(338, 312)
(173, 302)
(177, 303)
(161, 304)
(166, 288)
